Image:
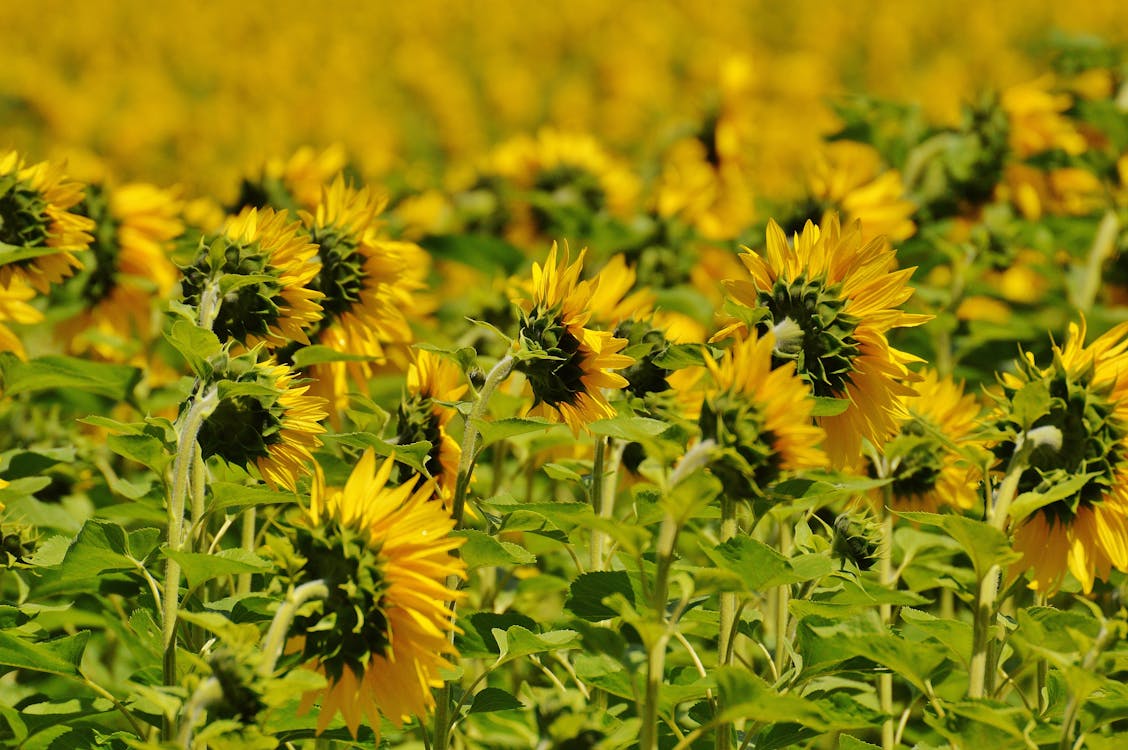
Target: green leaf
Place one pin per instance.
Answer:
(983, 543)
(199, 567)
(846, 742)
(144, 449)
(494, 699)
(56, 372)
(503, 429)
(60, 656)
(746, 696)
(19, 463)
(1028, 502)
(317, 355)
(16, 253)
(102, 547)
(827, 406)
(482, 550)
(755, 563)
(629, 429)
(956, 636)
(475, 250)
(197, 345)
(1031, 402)
(227, 496)
(518, 641)
(414, 455)
(587, 592)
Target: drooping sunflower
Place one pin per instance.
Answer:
(576, 362)
(381, 636)
(265, 420)
(830, 300)
(129, 267)
(759, 417)
(277, 311)
(368, 287)
(847, 177)
(1085, 533)
(927, 472)
(39, 234)
(14, 308)
(431, 379)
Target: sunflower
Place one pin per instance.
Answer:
(759, 417)
(831, 299)
(431, 379)
(1086, 532)
(129, 267)
(368, 286)
(14, 308)
(1037, 120)
(927, 473)
(381, 636)
(847, 177)
(292, 184)
(574, 362)
(264, 419)
(259, 243)
(39, 234)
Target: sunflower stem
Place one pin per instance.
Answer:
(201, 406)
(783, 601)
(725, 652)
(656, 652)
(1104, 245)
(247, 542)
(988, 589)
(275, 640)
(1042, 668)
(1106, 637)
(885, 678)
(207, 693)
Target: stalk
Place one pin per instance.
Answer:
(885, 679)
(1105, 639)
(656, 656)
(725, 652)
(782, 601)
(597, 502)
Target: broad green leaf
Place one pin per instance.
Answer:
(1028, 502)
(414, 455)
(1031, 402)
(197, 345)
(478, 629)
(228, 496)
(317, 355)
(909, 660)
(826, 406)
(16, 253)
(482, 550)
(70, 373)
(846, 742)
(102, 547)
(19, 463)
(475, 250)
(503, 429)
(754, 562)
(956, 636)
(494, 699)
(144, 449)
(518, 641)
(587, 592)
(60, 656)
(983, 543)
(746, 696)
(561, 473)
(199, 567)
(629, 429)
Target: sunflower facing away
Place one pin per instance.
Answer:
(1085, 533)
(129, 267)
(575, 362)
(430, 379)
(259, 243)
(830, 301)
(367, 286)
(759, 417)
(381, 637)
(14, 308)
(39, 234)
(927, 473)
(264, 421)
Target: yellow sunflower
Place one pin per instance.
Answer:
(14, 308)
(847, 177)
(1085, 533)
(39, 234)
(381, 637)
(830, 300)
(259, 243)
(1037, 119)
(368, 286)
(431, 379)
(927, 472)
(129, 268)
(295, 183)
(266, 421)
(759, 417)
(575, 362)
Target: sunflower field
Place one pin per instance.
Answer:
(489, 375)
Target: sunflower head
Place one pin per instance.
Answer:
(39, 233)
(829, 300)
(380, 637)
(567, 364)
(1070, 422)
(430, 380)
(262, 419)
(759, 418)
(921, 459)
(291, 184)
(263, 269)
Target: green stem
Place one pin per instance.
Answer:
(885, 678)
(199, 409)
(1105, 639)
(1104, 245)
(275, 640)
(247, 542)
(727, 633)
(783, 601)
(207, 693)
(656, 654)
(597, 503)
